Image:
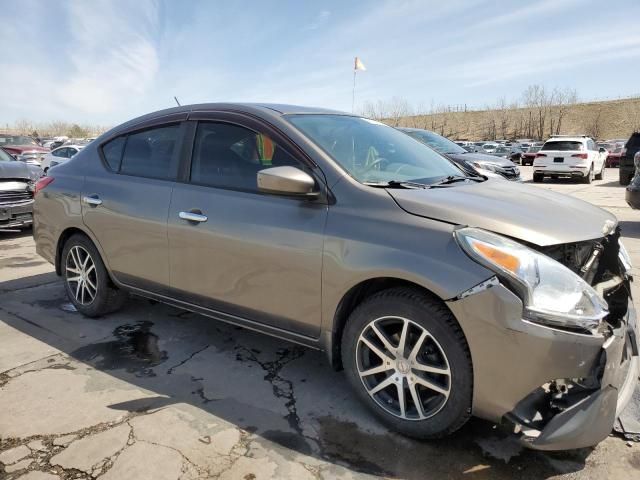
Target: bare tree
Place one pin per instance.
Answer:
(631, 113)
(592, 121)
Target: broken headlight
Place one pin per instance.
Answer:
(552, 294)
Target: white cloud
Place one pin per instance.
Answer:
(565, 52)
(113, 54)
(520, 15)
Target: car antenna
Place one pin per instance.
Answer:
(176, 99)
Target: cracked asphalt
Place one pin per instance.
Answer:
(159, 393)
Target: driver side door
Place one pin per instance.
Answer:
(248, 254)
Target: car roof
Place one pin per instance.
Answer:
(567, 139)
(283, 109)
(263, 110)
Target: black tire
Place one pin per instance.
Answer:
(625, 179)
(588, 178)
(108, 298)
(538, 177)
(425, 312)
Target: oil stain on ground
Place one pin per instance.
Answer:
(456, 456)
(134, 349)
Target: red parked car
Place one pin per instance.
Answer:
(24, 148)
(528, 156)
(613, 158)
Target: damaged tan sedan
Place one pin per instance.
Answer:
(441, 295)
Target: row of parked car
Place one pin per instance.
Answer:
(23, 160)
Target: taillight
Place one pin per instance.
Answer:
(42, 183)
(541, 155)
(584, 156)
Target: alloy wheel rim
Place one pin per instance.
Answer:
(81, 275)
(403, 368)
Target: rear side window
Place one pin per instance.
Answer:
(112, 153)
(563, 146)
(150, 153)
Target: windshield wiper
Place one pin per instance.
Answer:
(395, 184)
(455, 178)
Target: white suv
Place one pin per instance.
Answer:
(577, 156)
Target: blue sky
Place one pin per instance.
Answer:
(103, 62)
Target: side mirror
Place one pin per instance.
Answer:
(602, 150)
(287, 181)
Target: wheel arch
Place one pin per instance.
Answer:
(65, 235)
(356, 295)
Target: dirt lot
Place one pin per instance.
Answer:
(159, 393)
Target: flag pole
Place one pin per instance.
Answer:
(353, 93)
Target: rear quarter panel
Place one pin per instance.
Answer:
(58, 207)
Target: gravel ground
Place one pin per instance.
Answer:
(155, 392)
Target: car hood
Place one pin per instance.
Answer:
(17, 169)
(481, 157)
(525, 212)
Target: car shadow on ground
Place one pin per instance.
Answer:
(613, 183)
(281, 392)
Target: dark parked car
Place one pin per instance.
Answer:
(482, 163)
(627, 165)
(440, 295)
(17, 181)
(633, 190)
(510, 152)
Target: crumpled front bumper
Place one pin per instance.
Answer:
(513, 359)
(16, 215)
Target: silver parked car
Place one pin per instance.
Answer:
(442, 296)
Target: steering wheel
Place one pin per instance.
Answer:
(375, 163)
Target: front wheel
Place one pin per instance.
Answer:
(408, 361)
(86, 279)
(538, 177)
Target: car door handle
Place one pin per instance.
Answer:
(193, 216)
(92, 200)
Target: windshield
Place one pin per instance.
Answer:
(373, 152)
(502, 150)
(562, 146)
(435, 141)
(16, 140)
(533, 149)
(5, 157)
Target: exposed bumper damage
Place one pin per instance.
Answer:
(560, 389)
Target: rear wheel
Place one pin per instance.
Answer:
(408, 361)
(588, 178)
(538, 177)
(87, 281)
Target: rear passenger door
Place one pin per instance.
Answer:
(125, 203)
(252, 255)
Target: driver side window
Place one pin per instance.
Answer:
(230, 156)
